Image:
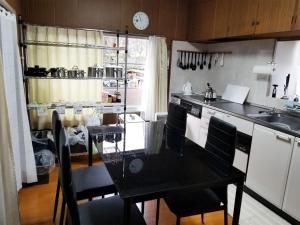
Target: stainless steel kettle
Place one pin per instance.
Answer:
(210, 94)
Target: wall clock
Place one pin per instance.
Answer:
(140, 20)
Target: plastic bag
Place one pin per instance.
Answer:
(45, 161)
(92, 120)
(78, 135)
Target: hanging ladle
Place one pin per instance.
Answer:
(201, 65)
(180, 63)
(191, 64)
(209, 64)
(184, 62)
(188, 61)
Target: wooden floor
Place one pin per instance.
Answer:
(36, 206)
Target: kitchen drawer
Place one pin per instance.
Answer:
(243, 126)
(203, 137)
(240, 160)
(193, 128)
(207, 113)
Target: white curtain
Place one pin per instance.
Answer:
(17, 162)
(156, 78)
(8, 189)
(53, 91)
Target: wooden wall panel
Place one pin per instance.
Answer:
(90, 12)
(182, 20)
(109, 14)
(65, 13)
(16, 4)
(167, 17)
(39, 11)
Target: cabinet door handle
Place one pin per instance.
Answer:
(257, 23)
(283, 138)
(292, 20)
(298, 142)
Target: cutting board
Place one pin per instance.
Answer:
(235, 93)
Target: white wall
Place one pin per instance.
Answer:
(287, 58)
(237, 69)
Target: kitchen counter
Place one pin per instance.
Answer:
(242, 111)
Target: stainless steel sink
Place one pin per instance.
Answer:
(280, 120)
(282, 125)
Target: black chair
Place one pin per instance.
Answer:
(175, 127)
(88, 182)
(108, 211)
(175, 137)
(220, 144)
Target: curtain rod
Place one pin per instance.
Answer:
(91, 29)
(6, 6)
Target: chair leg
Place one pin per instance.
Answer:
(62, 212)
(143, 207)
(226, 216)
(67, 219)
(157, 210)
(202, 218)
(177, 220)
(56, 200)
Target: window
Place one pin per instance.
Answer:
(137, 52)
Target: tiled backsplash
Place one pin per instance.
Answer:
(237, 69)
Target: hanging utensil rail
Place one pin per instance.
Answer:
(206, 52)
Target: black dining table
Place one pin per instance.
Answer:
(141, 163)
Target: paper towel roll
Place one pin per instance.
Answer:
(263, 69)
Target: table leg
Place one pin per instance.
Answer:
(127, 211)
(238, 202)
(90, 150)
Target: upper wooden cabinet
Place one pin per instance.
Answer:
(201, 19)
(242, 17)
(221, 25)
(296, 17)
(274, 16)
(215, 19)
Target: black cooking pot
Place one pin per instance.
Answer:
(36, 71)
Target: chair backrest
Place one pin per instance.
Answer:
(56, 127)
(66, 177)
(175, 127)
(176, 118)
(221, 140)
